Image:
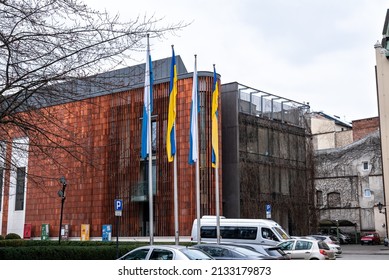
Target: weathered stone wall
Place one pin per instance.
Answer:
(354, 172)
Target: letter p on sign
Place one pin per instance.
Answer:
(118, 207)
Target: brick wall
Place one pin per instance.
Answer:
(363, 127)
(100, 159)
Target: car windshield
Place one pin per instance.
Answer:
(137, 254)
(275, 251)
(281, 234)
(195, 254)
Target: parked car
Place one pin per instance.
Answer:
(371, 238)
(166, 252)
(272, 251)
(307, 249)
(344, 238)
(232, 252)
(386, 241)
(332, 242)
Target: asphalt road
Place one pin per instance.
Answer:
(364, 252)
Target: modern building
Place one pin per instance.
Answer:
(266, 158)
(100, 159)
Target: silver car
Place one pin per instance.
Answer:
(307, 249)
(332, 242)
(166, 252)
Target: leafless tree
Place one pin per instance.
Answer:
(49, 49)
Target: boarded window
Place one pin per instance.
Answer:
(20, 184)
(333, 199)
(319, 198)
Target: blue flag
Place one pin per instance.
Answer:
(147, 105)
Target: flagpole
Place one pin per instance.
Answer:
(151, 216)
(215, 145)
(217, 204)
(174, 156)
(198, 200)
(175, 198)
(198, 213)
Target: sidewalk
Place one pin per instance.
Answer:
(365, 249)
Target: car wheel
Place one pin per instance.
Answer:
(362, 243)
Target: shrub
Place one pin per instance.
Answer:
(12, 236)
(1, 237)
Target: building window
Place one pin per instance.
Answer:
(366, 193)
(333, 199)
(20, 185)
(145, 176)
(319, 198)
(154, 136)
(365, 165)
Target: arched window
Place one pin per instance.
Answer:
(333, 199)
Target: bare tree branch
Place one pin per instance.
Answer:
(49, 50)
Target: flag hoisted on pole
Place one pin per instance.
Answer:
(147, 104)
(194, 127)
(215, 148)
(194, 143)
(214, 115)
(171, 137)
(146, 150)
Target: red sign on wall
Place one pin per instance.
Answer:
(27, 231)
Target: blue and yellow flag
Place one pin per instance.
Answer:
(214, 116)
(171, 120)
(147, 105)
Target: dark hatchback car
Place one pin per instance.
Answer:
(232, 252)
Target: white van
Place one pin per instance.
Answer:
(258, 231)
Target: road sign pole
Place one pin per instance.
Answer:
(118, 204)
(117, 237)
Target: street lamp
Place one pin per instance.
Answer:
(61, 194)
(380, 206)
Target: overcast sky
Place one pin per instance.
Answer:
(316, 51)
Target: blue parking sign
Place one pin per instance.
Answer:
(268, 211)
(118, 205)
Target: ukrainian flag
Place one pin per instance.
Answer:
(214, 116)
(171, 137)
(147, 104)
